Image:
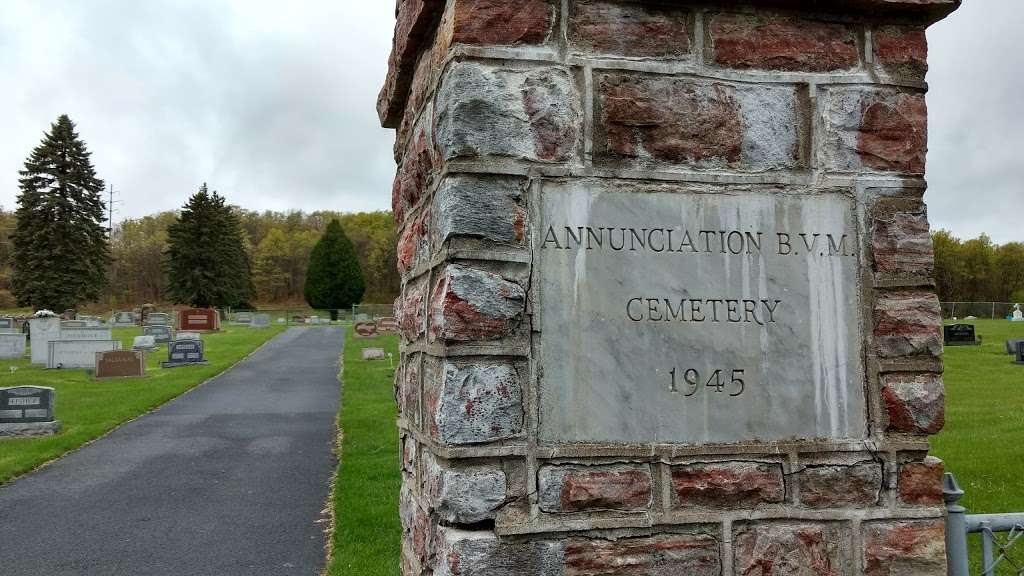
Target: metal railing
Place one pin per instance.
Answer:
(995, 552)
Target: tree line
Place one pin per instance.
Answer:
(978, 270)
(55, 251)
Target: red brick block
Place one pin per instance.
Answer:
(782, 548)
(629, 29)
(905, 548)
(500, 22)
(902, 50)
(914, 403)
(770, 42)
(920, 483)
(588, 488)
(725, 485)
(835, 486)
(697, 123)
(689, 554)
(470, 304)
(907, 324)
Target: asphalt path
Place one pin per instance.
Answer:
(228, 479)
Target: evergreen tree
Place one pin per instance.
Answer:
(60, 248)
(334, 278)
(206, 262)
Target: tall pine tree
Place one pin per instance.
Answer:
(206, 262)
(334, 278)
(60, 246)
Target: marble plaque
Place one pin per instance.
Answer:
(683, 317)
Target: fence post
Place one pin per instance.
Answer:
(956, 527)
(987, 550)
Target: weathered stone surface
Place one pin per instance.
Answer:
(726, 485)
(632, 30)
(698, 123)
(471, 403)
(790, 550)
(901, 242)
(411, 182)
(500, 22)
(524, 114)
(834, 486)
(414, 243)
(905, 548)
(418, 534)
(920, 483)
(462, 494)
(471, 304)
(902, 50)
(407, 391)
(881, 130)
(481, 553)
(914, 403)
(414, 18)
(610, 342)
(772, 42)
(907, 324)
(410, 312)
(668, 554)
(584, 488)
(485, 207)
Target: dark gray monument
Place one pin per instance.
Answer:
(161, 333)
(27, 411)
(184, 353)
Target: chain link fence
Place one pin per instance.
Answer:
(984, 310)
(304, 316)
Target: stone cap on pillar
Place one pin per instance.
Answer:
(417, 19)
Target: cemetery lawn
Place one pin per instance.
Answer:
(90, 408)
(367, 532)
(983, 440)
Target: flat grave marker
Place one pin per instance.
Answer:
(374, 354)
(184, 353)
(120, 364)
(960, 335)
(260, 321)
(67, 354)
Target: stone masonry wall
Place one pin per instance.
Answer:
(491, 99)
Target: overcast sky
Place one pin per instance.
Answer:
(273, 103)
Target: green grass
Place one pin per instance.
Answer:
(983, 440)
(367, 531)
(90, 408)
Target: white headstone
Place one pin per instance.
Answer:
(86, 333)
(144, 343)
(373, 354)
(12, 345)
(188, 336)
(1018, 316)
(78, 353)
(42, 330)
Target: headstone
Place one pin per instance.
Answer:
(91, 321)
(1020, 353)
(184, 353)
(8, 324)
(199, 320)
(78, 353)
(362, 318)
(69, 314)
(120, 364)
(260, 321)
(145, 343)
(366, 329)
(1018, 316)
(158, 318)
(12, 345)
(243, 317)
(123, 319)
(27, 411)
(673, 313)
(373, 354)
(85, 332)
(298, 319)
(314, 319)
(960, 335)
(1011, 346)
(160, 332)
(42, 330)
(387, 325)
(74, 324)
(188, 336)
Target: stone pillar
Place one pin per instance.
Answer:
(667, 302)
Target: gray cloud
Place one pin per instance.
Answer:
(273, 104)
